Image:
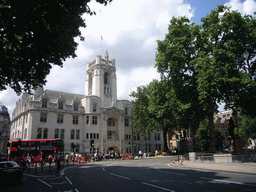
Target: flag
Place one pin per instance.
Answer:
(101, 38)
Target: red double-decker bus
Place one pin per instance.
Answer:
(38, 149)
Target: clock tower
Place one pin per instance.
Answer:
(101, 80)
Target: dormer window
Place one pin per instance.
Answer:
(75, 107)
(60, 106)
(94, 108)
(44, 103)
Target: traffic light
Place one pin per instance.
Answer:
(177, 138)
(92, 143)
(129, 144)
(8, 145)
(19, 143)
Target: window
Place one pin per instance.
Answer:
(60, 118)
(126, 111)
(94, 120)
(77, 134)
(75, 119)
(158, 136)
(97, 135)
(87, 135)
(56, 134)
(75, 107)
(111, 122)
(43, 117)
(105, 78)
(77, 148)
(94, 108)
(134, 136)
(72, 136)
(44, 103)
(60, 107)
(25, 134)
(126, 122)
(45, 133)
(87, 119)
(62, 133)
(39, 133)
(91, 136)
(138, 137)
(109, 134)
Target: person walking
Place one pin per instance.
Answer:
(156, 152)
(140, 154)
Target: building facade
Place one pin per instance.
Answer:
(5, 127)
(96, 117)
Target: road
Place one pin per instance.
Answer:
(151, 174)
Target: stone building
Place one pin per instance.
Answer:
(5, 125)
(96, 117)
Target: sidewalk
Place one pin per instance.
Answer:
(245, 168)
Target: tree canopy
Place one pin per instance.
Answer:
(35, 34)
(210, 63)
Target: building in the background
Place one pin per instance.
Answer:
(94, 121)
(5, 126)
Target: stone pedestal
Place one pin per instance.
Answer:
(235, 144)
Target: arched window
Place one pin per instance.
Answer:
(111, 122)
(105, 78)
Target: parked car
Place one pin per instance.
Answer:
(10, 172)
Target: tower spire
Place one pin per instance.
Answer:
(106, 55)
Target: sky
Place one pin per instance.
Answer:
(129, 31)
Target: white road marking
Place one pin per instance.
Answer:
(157, 187)
(69, 180)
(225, 181)
(58, 183)
(120, 176)
(44, 183)
(103, 169)
(76, 190)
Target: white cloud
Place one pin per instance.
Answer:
(247, 7)
(129, 30)
(128, 82)
(9, 99)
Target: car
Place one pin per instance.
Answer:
(10, 172)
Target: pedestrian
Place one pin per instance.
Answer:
(66, 158)
(156, 152)
(58, 162)
(140, 154)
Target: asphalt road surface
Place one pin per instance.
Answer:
(145, 175)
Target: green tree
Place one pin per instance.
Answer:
(163, 107)
(155, 108)
(203, 136)
(207, 63)
(247, 128)
(141, 116)
(35, 34)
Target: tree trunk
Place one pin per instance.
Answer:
(165, 138)
(210, 115)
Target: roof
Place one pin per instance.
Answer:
(53, 96)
